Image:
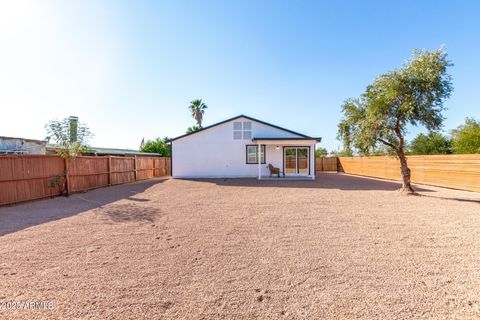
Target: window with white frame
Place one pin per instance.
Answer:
(242, 130)
(252, 154)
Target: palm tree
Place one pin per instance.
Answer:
(197, 108)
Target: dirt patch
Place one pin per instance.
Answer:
(339, 247)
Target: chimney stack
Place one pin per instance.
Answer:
(73, 128)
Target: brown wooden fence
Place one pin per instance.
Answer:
(326, 164)
(451, 171)
(24, 178)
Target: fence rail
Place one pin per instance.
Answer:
(451, 171)
(30, 177)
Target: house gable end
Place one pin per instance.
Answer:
(259, 124)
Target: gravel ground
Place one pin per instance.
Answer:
(339, 247)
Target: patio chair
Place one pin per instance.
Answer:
(273, 170)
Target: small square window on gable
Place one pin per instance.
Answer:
(237, 130)
(247, 135)
(237, 125)
(237, 135)
(247, 130)
(242, 130)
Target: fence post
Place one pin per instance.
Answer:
(66, 173)
(169, 166)
(109, 170)
(153, 167)
(135, 168)
(160, 166)
(154, 170)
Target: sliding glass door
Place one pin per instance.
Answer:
(290, 160)
(296, 161)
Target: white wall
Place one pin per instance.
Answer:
(213, 153)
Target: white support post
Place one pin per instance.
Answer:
(259, 149)
(313, 161)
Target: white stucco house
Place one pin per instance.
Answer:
(232, 149)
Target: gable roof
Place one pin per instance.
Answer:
(237, 117)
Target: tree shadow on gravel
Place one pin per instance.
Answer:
(453, 198)
(22, 216)
(130, 213)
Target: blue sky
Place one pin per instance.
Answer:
(129, 68)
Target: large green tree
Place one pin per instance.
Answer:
(466, 138)
(412, 95)
(157, 145)
(197, 109)
(431, 143)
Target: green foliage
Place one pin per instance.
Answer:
(432, 143)
(321, 152)
(379, 150)
(412, 95)
(54, 182)
(61, 133)
(193, 129)
(197, 109)
(466, 138)
(341, 153)
(353, 113)
(157, 145)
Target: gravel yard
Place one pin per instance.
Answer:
(339, 247)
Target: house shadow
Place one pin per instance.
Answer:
(340, 181)
(21, 216)
(330, 180)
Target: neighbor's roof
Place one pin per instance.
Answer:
(121, 152)
(237, 117)
(112, 151)
(24, 139)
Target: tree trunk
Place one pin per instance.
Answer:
(406, 185)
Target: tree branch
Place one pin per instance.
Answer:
(387, 143)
